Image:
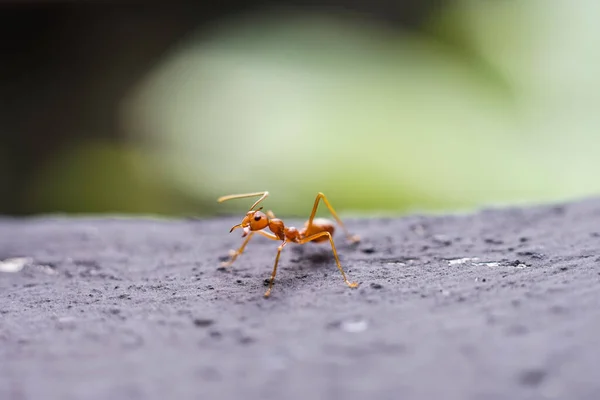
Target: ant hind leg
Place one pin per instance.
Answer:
(320, 196)
(337, 260)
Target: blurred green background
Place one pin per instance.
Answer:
(386, 106)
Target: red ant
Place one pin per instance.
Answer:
(315, 230)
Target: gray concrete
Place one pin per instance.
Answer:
(498, 304)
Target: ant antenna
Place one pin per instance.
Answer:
(241, 196)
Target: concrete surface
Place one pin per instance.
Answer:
(501, 304)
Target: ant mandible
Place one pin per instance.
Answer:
(315, 230)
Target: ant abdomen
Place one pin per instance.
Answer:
(319, 225)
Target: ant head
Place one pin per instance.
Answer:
(255, 220)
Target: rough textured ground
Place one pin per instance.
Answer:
(498, 304)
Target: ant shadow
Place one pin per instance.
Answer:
(313, 256)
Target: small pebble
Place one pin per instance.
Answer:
(354, 326)
(368, 250)
(14, 264)
(203, 323)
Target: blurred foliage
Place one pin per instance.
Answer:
(489, 103)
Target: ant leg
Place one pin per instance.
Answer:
(268, 235)
(270, 214)
(337, 260)
(268, 292)
(351, 238)
(235, 253)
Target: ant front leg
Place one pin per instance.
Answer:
(337, 260)
(320, 196)
(235, 253)
(268, 292)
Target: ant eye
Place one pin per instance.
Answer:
(257, 217)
